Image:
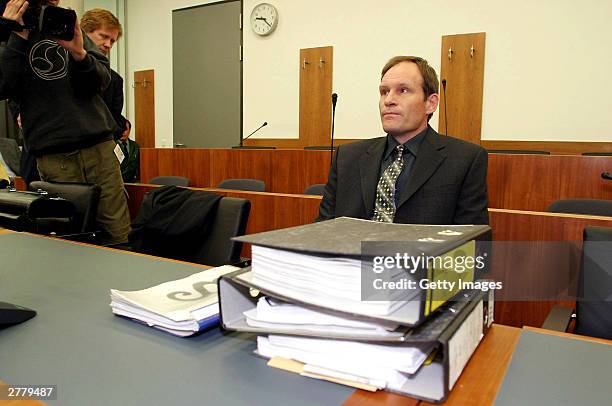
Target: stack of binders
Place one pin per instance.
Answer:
(309, 297)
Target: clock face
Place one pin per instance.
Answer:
(264, 19)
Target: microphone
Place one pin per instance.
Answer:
(334, 101)
(606, 175)
(445, 110)
(265, 123)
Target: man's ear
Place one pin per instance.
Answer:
(432, 102)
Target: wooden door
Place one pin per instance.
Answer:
(144, 106)
(316, 68)
(463, 69)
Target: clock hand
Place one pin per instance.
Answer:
(264, 20)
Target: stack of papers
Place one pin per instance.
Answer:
(378, 365)
(181, 307)
(275, 315)
(331, 281)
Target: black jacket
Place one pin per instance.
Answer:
(173, 221)
(59, 99)
(447, 184)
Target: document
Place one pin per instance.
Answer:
(181, 307)
(373, 364)
(273, 315)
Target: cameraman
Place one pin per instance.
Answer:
(66, 124)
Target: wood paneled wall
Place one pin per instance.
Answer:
(283, 171)
(532, 273)
(532, 182)
(519, 182)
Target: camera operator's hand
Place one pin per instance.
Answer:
(75, 46)
(14, 11)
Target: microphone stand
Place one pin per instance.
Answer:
(334, 101)
(445, 110)
(247, 137)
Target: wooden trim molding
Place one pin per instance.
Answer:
(554, 147)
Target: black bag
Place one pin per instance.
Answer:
(22, 211)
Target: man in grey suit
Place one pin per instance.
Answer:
(413, 175)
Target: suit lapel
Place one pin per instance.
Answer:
(369, 166)
(430, 156)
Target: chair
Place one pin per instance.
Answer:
(190, 225)
(254, 185)
(85, 198)
(317, 189)
(517, 151)
(595, 207)
(230, 221)
(594, 303)
(11, 154)
(170, 181)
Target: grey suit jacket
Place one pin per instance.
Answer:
(11, 154)
(447, 184)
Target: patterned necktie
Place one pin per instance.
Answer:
(384, 207)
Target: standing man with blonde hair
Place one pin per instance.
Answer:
(104, 29)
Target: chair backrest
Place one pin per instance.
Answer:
(11, 154)
(230, 221)
(254, 185)
(594, 304)
(84, 196)
(170, 181)
(595, 207)
(517, 151)
(316, 189)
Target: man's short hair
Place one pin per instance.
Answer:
(430, 78)
(97, 17)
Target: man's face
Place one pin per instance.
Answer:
(104, 38)
(126, 132)
(403, 106)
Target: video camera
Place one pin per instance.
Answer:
(53, 22)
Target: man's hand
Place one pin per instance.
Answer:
(74, 46)
(14, 11)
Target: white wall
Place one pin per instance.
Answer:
(546, 62)
(149, 44)
(76, 5)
